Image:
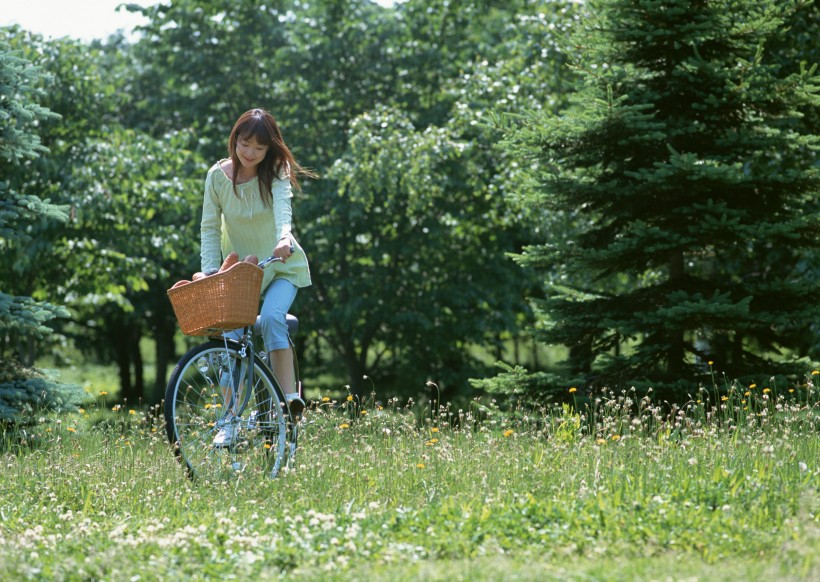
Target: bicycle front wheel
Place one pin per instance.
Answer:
(219, 421)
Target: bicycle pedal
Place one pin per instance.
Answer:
(252, 420)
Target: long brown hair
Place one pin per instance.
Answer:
(278, 162)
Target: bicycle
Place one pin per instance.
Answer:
(223, 383)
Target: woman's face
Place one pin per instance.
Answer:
(250, 152)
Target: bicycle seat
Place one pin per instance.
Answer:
(293, 324)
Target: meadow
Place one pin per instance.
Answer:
(724, 487)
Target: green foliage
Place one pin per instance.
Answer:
(691, 213)
(334, 72)
(25, 393)
(20, 112)
(133, 201)
(517, 382)
(22, 316)
(23, 319)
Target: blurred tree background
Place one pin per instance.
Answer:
(449, 137)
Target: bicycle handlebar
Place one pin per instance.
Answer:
(271, 259)
(262, 264)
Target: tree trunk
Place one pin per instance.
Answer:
(123, 356)
(139, 369)
(165, 356)
(676, 348)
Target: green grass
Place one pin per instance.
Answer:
(635, 491)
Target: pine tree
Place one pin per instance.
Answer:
(23, 318)
(691, 186)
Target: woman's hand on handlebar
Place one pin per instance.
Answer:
(284, 249)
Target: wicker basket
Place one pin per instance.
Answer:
(224, 301)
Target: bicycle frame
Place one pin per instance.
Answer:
(246, 352)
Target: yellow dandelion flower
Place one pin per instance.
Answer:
(82, 410)
(743, 401)
(616, 437)
(344, 425)
(132, 412)
(267, 445)
(752, 386)
(509, 432)
(364, 413)
(326, 399)
(724, 398)
(103, 393)
(434, 429)
(747, 393)
(791, 390)
(71, 429)
(766, 390)
(420, 466)
(815, 372)
(710, 362)
(573, 390)
(350, 398)
(600, 441)
(208, 406)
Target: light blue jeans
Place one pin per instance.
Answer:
(270, 323)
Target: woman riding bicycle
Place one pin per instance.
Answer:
(247, 209)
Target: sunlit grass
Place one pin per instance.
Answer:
(624, 488)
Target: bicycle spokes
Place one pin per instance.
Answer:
(227, 417)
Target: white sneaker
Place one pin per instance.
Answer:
(226, 437)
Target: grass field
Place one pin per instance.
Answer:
(633, 490)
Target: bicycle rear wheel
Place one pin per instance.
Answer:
(209, 391)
